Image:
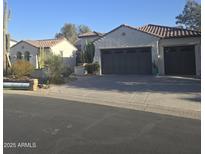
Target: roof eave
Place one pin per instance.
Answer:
(175, 37)
(25, 42)
(124, 25)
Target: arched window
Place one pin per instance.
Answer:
(27, 56)
(19, 55)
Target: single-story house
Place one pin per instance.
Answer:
(145, 49)
(86, 38)
(30, 50)
(83, 39)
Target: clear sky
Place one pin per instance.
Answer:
(41, 19)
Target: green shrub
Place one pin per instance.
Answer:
(22, 68)
(55, 67)
(92, 68)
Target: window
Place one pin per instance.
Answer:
(19, 55)
(27, 56)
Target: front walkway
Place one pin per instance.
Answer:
(164, 95)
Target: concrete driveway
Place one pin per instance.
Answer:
(134, 83)
(179, 96)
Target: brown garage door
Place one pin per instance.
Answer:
(126, 61)
(179, 60)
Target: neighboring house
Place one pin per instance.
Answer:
(83, 39)
(12, 42)
(29, 50)
(86, 38)
(131, 50)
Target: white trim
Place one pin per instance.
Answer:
(180, 44)
(139, 46)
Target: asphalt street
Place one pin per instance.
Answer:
(41, 125)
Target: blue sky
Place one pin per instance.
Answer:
(41, 19)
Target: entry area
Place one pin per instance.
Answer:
(126, 61)
(180, 60)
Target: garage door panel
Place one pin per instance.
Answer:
(179, 60)
(189, 62)
(127, 61)
(115, 63)
(122, 62)
(144, 56)
(171, 58)
(130, 63)
(107, 65)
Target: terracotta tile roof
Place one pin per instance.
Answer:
(90, 34)
(168, 32)
(44, 43)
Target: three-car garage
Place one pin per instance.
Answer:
(178, 60)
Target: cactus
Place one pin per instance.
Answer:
(41, 58)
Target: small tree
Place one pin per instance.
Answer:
(191, 16)
(69, 31)
(83, 29)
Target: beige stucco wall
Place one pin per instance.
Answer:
(69, 52)
(23, 47)
(196, 41)
(132, 38)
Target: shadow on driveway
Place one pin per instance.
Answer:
(137, 83)
(196, 98)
